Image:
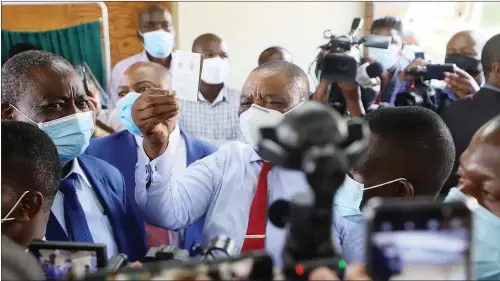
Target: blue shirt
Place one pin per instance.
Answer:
(222, 187)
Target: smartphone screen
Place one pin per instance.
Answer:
(425, 245)
(60, 264)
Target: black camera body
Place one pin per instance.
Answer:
(420, 92)
(341, 62)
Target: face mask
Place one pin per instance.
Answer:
(485, 239)
(159, 43)
(215, 70)
(124, 107)
(470, 65)
(6, 218)
(71, 134)
(349, 195)
(257, 117)
(386, 57)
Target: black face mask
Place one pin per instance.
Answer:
(470, 65)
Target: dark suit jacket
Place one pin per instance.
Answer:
(464, 117)
(109, 186)
(120, 150)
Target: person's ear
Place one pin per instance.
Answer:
(31, 206)
(405, 189)
(7, 112)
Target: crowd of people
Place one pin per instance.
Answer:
(177, 172)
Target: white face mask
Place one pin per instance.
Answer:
(257, 117)
(215, 70)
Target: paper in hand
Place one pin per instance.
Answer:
(186, 75)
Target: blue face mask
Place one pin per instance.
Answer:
(485, 239)
(71, 134)
(386, 57)
(159, 43)
(348, 198)
(124, 107)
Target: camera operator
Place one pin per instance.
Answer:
(479, 173)
(234, 186)
(359, 100)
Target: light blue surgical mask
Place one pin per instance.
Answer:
(71, 134)
(349, 195)
(485, 239)
(386, 57)
(124, 107)
(158, 43)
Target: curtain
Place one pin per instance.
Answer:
(77, 44)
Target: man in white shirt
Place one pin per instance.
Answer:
(214, 116)
(121, 150)
(230, 187)
(156, 32)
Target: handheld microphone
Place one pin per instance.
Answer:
(368, 74)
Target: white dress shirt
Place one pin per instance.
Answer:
(222, 187)
(99, 225)
(177, 151)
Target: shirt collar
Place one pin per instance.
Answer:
(77, 169)
(222, 96)
(173, 139)
(491, 87)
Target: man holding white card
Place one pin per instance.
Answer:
(143, 83)
(233, 187)
(211, 113)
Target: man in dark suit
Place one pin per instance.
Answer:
(123, 149)
(90, 206)
(464, 117)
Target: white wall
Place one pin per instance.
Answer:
(250, 27)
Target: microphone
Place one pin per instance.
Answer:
(368, 74)
(279, 213)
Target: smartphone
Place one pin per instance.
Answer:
(63, 260)
(420, 55)
(418, 240)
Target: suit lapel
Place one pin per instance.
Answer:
(55, 232)
(113, 207)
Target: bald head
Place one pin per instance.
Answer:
(144, 75)
(479, 168)
(464, 50)
(210, 45)
(469, 43)
(155, 17)
(491, 60)
(273, 54)
(277, 85)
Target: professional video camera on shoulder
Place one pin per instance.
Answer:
(420, 92)
(342, 53)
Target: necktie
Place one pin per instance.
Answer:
(156, 236)
(256, 229)
(76, 222)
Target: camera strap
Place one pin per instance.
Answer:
(256, 229)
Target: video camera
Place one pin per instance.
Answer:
(420, 92)
(342, 58)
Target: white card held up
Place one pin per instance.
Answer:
(186, 75)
